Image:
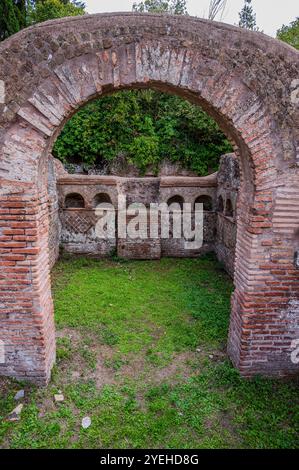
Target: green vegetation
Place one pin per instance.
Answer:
(9, 19)
(290, 34)
(141, 350)
(247, 16)
(17, 14)
(144, 127)
(43, 10)
(174, 7)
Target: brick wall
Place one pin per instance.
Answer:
(27, 326)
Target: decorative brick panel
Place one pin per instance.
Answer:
(75, 221)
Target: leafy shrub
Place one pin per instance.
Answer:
(147, 127)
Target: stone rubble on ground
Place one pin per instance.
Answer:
(19, 395)
(15, 415)
(58, 397)
(86, 422)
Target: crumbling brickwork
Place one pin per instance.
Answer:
(228, 182)
(78, 234)
(54, 222)
(247, 81)
(78, 223)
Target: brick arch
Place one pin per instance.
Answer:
(247, 81)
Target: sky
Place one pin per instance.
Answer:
(270, 14)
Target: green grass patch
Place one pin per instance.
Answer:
(141, 350)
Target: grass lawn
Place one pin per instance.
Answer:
(141, 350)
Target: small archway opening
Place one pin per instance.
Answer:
(220, 205)
(229, 210)
(74, 201)
(207, 202)
(101, 198)
(179, 200)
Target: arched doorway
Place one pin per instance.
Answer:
(246, 81)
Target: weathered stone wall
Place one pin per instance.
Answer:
(190, 188)
(245, 80)
(228, 182)
(53, 208)
(138, 191)
(225, 245)
(78, 223)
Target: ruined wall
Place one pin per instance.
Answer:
(228, 181)
(53, 208)
(190, 188)
(78, 223)
(139, 191)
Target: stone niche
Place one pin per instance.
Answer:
(79, 195)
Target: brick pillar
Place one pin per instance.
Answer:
(265, 308)
(26, 308)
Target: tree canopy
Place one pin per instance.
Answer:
(17, 14)
(290, 33)
(10, 19)
(247, 16)
(43, 10)
(174, 7)
(144, 127)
